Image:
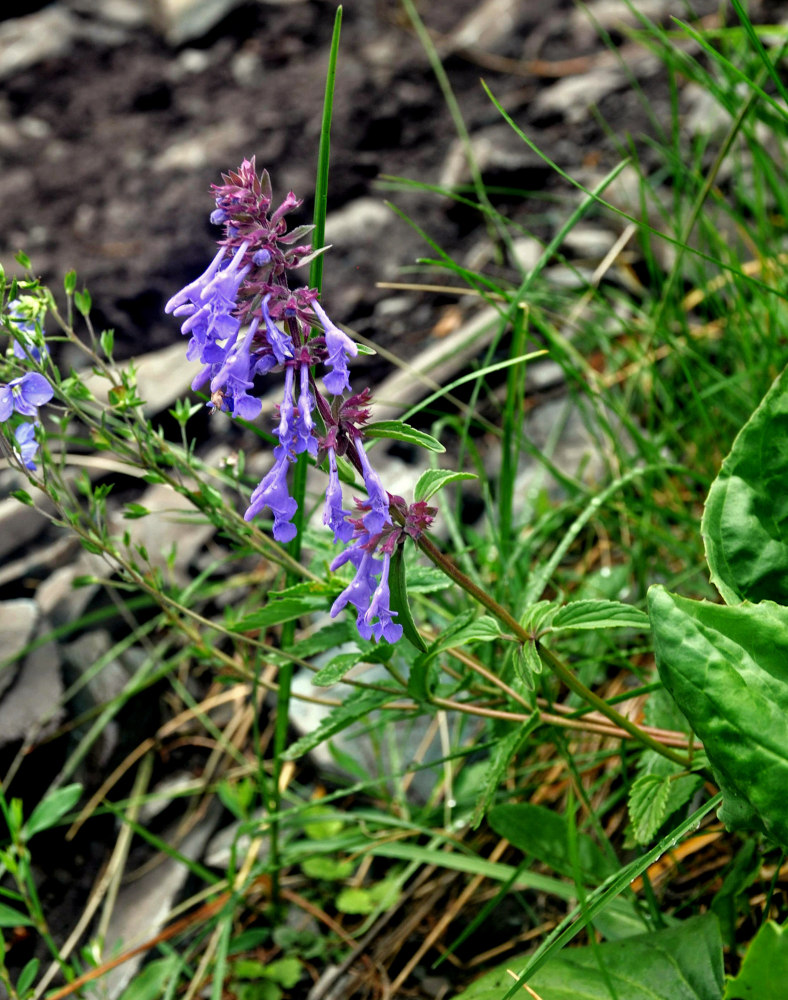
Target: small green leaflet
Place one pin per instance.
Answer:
(284, 610)
(52, 809)
(599, 614)
(336, 668)
(433, 480)
(648, 801)
(396, 430)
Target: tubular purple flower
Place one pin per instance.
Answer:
(192, 291)
(305, 439)
(285, 431)
(26, 444)
(334, 515)
(24, 395)
(281, 343)
(237, 376)
(379, 608)
(272, 492)
(378, 514)
(339, 347)
(359, 591)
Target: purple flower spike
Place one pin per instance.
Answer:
(24, 395)
(378, 514)
(339, 347)
(304, 424)
(281, 343)
(379, 608)
(272, 492)
(334, 515)
(26, 444)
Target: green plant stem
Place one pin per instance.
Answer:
(559, 668)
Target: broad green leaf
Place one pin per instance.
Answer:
(648, 803)
(277, 611)
(745, 520)
(599, 614)
(540, 832)
(396, 430)
(764, 971)
(680, 963)
(326, 637)
(353, 708)
(727, 668)
(336, 668)
(355, 901)
(52, 809)
(433, 480)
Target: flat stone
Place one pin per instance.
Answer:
(32, 705)
(27, 41)
(18, 620)
(182, 21)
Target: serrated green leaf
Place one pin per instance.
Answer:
(327, 637)
(745, 518)
(336, 668)
(528, 664)
(354, 707)
(598, 614)
(396, 430)
(505, 748)
(433, 480)
(52, 809)
(648, 800)
(680, 963)
(277, 611)
(727, 668)
(764, 971)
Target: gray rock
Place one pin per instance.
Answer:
(19, 523)
(18, 620)
(32, 705)
(26, 41)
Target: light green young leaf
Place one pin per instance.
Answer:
(396, 430)
(599, 614)
(27, 977)
(52, 809)
(745, 519)
(764, 971)
(680, 963)
(433, 480)
(648, 802)
(727, 668)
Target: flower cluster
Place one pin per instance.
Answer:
(244, 321)
(24, 395)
